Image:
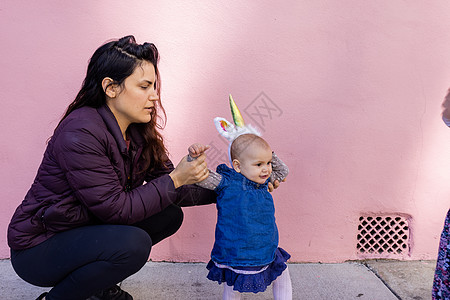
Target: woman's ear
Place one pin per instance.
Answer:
(236, 165)
(109, 87)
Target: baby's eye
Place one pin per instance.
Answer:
(144, 87)
(258, 164)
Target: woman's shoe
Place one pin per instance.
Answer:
(42, 296)
(112, 293)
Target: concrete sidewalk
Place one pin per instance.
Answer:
(373, 279)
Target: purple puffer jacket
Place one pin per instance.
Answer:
(82, 180)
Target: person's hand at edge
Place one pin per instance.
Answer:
(275, 185)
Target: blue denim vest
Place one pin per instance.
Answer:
(246, 233)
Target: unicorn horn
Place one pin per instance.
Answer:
(237, 117)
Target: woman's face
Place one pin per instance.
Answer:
(135, 102)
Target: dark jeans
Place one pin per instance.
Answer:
(80, 262)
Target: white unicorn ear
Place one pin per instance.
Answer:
(225, 128)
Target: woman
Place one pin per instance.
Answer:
(105, 192)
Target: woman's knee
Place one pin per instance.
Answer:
(177, 216)
(163, 224)
(136, 241)
(133, 249)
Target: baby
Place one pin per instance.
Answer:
(245, 254)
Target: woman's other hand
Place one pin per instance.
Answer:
(189, 172)
(275, 185)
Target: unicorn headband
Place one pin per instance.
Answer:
(231, 132)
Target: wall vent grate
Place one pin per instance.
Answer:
(383, 236)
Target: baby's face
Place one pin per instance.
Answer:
(256, 163)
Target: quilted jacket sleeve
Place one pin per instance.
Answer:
(85, 155)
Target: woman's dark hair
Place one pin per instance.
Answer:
(118, 59)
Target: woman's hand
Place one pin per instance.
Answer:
(190, 172)
(275, 185)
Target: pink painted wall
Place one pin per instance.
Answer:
(356, 89)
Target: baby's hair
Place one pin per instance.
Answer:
(242, 142)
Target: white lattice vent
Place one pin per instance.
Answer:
(383, 236)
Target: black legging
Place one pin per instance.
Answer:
(81, 262)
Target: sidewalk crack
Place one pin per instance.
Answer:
(382, 280)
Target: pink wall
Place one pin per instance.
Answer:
(357, 87)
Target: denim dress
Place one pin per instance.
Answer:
(245, 253)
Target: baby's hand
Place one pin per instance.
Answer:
(195, 150)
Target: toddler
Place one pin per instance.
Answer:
(245, 254)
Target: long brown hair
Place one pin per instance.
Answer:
(118, 59)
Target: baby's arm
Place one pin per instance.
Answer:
(213, 179)
(279, 169)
